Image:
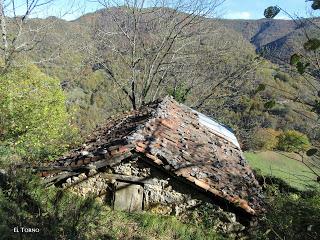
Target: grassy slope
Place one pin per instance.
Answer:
(281, 165)
(148, 226)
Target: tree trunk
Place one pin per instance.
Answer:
(4, 34)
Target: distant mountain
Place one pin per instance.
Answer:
(263, 31)
(276, 39)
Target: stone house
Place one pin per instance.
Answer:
(164, 154)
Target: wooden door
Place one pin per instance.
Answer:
(127, 197)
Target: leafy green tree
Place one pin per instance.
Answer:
(266, 139)
(293, 141)
(34, 120)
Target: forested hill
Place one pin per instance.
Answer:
(222, 79)
(273, 35)
(276, 39)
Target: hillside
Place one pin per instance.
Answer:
(76, 50)
(263, 31)
(276, 39)
(285, 166)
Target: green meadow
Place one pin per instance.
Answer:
(286, 166)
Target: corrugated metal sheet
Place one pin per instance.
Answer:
(217, 128)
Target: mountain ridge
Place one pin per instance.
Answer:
(271, 34)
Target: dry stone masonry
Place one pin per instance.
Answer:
(165, 158)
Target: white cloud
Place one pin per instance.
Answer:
(238, 15)
(282, 17)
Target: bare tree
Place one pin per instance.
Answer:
(138, 43)
(19, 33)
(225, 72)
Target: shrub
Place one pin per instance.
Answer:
(294, 216)
(282, 76)
(34, 119)
(265, 139)
(293, 141)
(58, 214)
(179, 93)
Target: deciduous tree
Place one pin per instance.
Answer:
(145, 41)
(34, 120)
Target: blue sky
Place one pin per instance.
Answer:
(231, 9)
(253, 9)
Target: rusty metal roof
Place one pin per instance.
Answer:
(173, 137)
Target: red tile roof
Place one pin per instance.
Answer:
(171, 136)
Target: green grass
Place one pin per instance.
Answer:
(148, 226)
(286, 166)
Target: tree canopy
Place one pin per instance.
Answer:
(34, 119)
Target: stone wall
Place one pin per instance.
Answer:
(91, 183)
(162, 194)
(158, 188)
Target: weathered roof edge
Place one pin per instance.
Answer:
(237, 201)
(140, 149)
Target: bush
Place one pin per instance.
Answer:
(179, 93)
(34, 119)
(293, 141)
(58, 214)
(282, 76)
(294, 216)
(265, 139)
